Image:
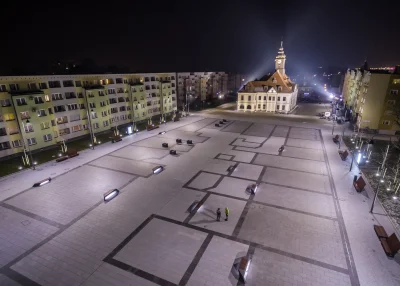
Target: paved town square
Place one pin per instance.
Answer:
(304, 225)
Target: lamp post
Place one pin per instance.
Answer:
(90, 121)
(29, 149)
(376, 194)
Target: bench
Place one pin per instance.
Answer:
(115, 139)
(216, 125)
(359, 184)
(176, 119)
(152, 127)
(336, 139)
(224, 120)
(179, 141)
(344, 155)
(221, 122)
(189, 142)
(72, 153)
(380, 231)
(231, 168)
(172, 152)
(63, 158)
(165, 145)
(390, 245)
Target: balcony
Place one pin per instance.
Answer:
(59, 110)
(39, 101)
(3, 132)
(13, 131)
(20, 103)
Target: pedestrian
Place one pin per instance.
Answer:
(218, 214)
(226, 213)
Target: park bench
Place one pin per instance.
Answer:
(63, 158)
(336, 138)
(72, 153)
(165, 145)
(221, 122)
(344, 155)
(176, 119)
(216, 125)
(152, 127)
(224, 120)
(390, 244)
(179, 141)
(359, 184)
(380, 231)
(189, 142)
(115, 139)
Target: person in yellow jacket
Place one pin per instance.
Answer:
(226, 213)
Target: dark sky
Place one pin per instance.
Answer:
(201, 35)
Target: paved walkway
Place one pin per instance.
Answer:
(305, 225)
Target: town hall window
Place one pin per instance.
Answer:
(242, 97)
(249, 97)
(259, 98)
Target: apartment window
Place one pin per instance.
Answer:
(283, 107)
(31, 141)
(78, 83)
(386, 122)
(32, 86)
(121, 99)
(104, 113)
(5, 102)
(96, 125)
(42, 85)
(21, 101)
(56, 96)
(85, 126)
(50, 110)
(111, 91)
(396, 81)
(3, 88)
(76, 128)
(105, 123)
(3, 132)
(68, 83)
(5, 145)
(120, 90)
(16, 143)
(53, 123)
(55, 134)
(73, 106)
(118, 80)
(92, 105)
(38, 100)
(101, 92)
(64, 131)
(82, 106)
(249, 98)
(41, 112)
(123, 117)
(45, 125)
(90, 94)
(94, 115)
(146, 79)
(62, 120)
(69, 95)
(127, 99)
(59, 108)
(46, 98)
(394, 91)
(277, 107)
(114, 110)
(122, 108)
(391, 102)
(102, 103)
(54, 84)
(14, 87)
(75, 117)
(25, 115)
(28, 128)
(47, 137)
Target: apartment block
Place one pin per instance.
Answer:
(37, 112)
(201, 85)
(372, 95)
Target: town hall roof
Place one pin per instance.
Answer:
(280, 83)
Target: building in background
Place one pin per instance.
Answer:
(273, 93)
(372, 96)
(41, 111)
(236, 81)
(201, 86)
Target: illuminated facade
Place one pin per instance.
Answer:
(273, 93)
(41, 111)
(373, 96)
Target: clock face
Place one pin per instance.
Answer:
(279, 61)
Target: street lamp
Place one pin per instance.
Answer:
(90, 122)
(29, 149)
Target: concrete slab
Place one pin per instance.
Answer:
(177, 208)
(4, 280)
(197, 125)
(312, 182)
(163, 249)
(204, 181)
(140, 153)
(268, 268)
(309, 202)
(215, 265)
(315, 167)
(305, 133)
(156, 142)
(196, 137)
(247, 171)
(218, 166)
(259, 129)
(206, 216)
(236, 127)
(303, 153)
(304, 235)
(240, 156)
(281, 131)
(68, 196)
(243, 143)
(304, 143)
(225, 157)
(233, 187)
(271, 146)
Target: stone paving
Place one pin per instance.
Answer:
(162, 229)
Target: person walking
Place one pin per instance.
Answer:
(218, 214)
(226, 214)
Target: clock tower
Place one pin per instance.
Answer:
(280, 60)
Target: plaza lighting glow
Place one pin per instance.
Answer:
(163, 132)
(158, 169)
(42, 182)
(34, 163)
(358, 158)
(395, 198)
(99, 142)
(59, 154)
(19, 168)
(108, 196)
(382, 180)
(90, 145)
(377, 174)
(247, 268)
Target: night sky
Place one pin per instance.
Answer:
(239, 36)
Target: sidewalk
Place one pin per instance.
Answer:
(17, 182)
(372, 264)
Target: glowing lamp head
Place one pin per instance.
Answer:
(108, 196)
